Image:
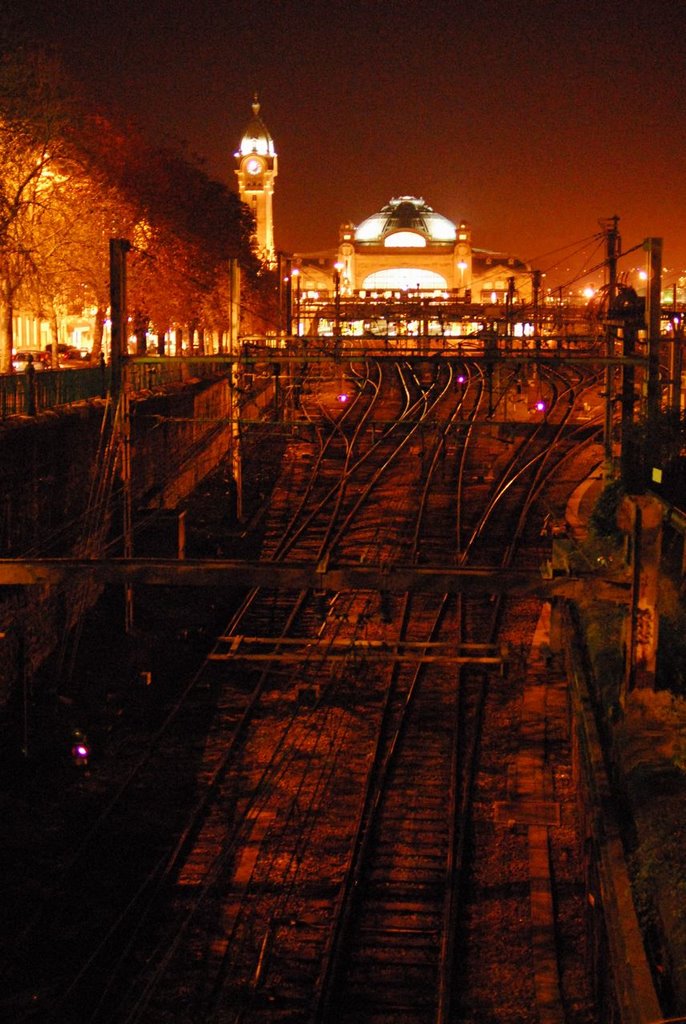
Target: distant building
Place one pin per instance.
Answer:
(405, 270)
(408, 246)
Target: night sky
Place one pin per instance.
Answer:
(531, 120)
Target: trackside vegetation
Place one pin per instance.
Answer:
(645, 735)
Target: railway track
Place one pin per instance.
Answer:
(354, 829)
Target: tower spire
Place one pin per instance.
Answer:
(256, 168)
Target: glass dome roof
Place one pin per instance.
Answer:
(256, 137)
(405, 214)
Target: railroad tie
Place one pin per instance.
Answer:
(529, 805)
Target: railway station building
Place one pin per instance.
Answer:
(404, 269)
(408, 246)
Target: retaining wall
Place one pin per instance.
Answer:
(625, 990)
(61, 495)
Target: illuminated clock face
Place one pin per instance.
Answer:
(253, 166)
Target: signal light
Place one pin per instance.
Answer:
(80, 749)
(343, 397)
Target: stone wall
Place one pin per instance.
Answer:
(61, 496)
(625, 990)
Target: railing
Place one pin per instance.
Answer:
(147, 372)
(33, 391)
(30, 392)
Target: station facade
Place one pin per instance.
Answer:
(404, 252)
(408, 246)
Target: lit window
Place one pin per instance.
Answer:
(404, 277)
(405, 240)
(256, 144)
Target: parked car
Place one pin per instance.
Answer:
(68, 355)
(75, 356)
(40, 360)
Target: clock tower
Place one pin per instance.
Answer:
(256, 168)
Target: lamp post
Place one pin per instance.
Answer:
(462, 266)
(288, 304)
(337, 268)
(295, 274)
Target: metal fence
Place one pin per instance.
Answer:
(34, 391)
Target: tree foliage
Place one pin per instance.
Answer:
(70, 179)
(604, 514)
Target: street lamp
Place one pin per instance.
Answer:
(296, 275)
(288, 304)
(337, 268)
(462, 266)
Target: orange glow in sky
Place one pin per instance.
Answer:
(531, 120)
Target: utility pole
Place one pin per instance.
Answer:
(509, 312)
(536, 284)
(235, 454)
(118, 345)
(676, 358)
(234, 304)
(288, 298)
(613, 243)
(630, 312)
(337, 268)
(645, 514)
(121, 398)
(295, 273)
(653, 247)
